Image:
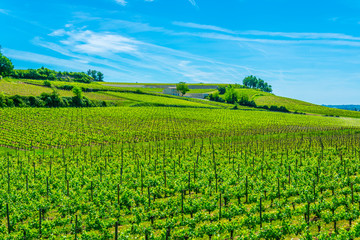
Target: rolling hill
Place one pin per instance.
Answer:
(129, 94)
(294, 105)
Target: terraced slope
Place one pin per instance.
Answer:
(262, 98)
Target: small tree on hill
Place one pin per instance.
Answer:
(78, 98)
(231, 96)
(100, 77)
(182, 88)
(6, 66)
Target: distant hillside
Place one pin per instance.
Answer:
(345, 107)
(263, 98)
(143, 95)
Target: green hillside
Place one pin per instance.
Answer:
(150, 95)
(269, 99)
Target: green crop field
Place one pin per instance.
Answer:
(177, 173)
(160, 100)
(166, 167)
(93, 86)
(13, 87)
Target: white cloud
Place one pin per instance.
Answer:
(192, 2)
(59, 32)
(304, 35)
(121, 2)
(86, 41)
(296, 38)
(124, 2)
(203, 27)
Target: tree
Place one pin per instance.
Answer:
(182, 88)
(78, 92)
(250, 81)
(100, 77)
(231, 95)
(6, 66)
(257, 83)
(93, 74)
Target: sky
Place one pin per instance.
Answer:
(306, 49)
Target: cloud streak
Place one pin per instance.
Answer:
(286, 35)
(121, 2)
(193, 2)
(203, 27)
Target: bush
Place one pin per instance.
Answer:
(221, 90)
(244, 101)
(231, 96)
(279, 109)
(47, 83)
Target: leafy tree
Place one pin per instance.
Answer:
(231, 95)
(257, 83)
(100, 77)
(48, 74)
(78, 92)
(6, 66)
(182, 88)
(93, 74)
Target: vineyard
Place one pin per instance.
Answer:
(177, 173)
(263, 98)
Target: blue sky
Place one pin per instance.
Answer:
(309, 50)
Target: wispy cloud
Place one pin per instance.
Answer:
(121, 2)
(304, 35)
(137, 59)
(124, 2)
(193, 2)
(203, 27)
(219, 33)
(86, 41)
(4, 11)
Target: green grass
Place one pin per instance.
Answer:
(22, 89)
(263, 98)
(13, 87)
(165, 84)
(153, 100)
(201, 90)
(94, 86)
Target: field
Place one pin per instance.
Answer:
(177, 173)
(167, 167)
(262, 98)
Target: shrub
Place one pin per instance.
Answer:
(231, 96)
(221, 90)
(244, 101)
(47, 83)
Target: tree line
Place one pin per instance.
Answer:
(7, 70)
(231, 96)
(50, 100)
(257, 83)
